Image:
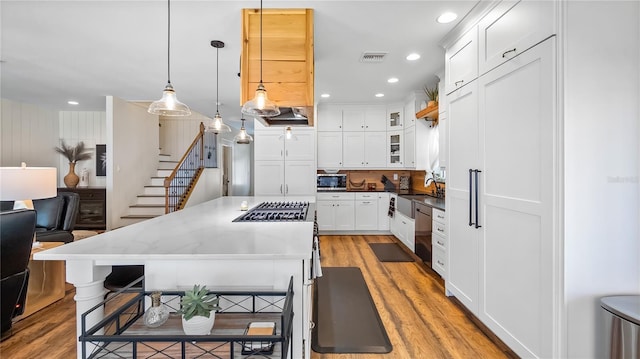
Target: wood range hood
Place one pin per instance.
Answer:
(287, 62)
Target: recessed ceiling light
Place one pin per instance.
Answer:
(413, 57)
(325, 95)
(379, 95)
(72, 102)
(446, 18)
(392, 80)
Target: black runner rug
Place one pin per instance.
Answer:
(346, 317)
(390, 252)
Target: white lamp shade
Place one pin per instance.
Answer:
(25, 183)
(169, 105)
(260, 105)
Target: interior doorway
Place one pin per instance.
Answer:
(227, 158)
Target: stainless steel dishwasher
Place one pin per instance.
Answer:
(422, 215)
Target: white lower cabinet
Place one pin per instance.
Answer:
(404, 229)
(439, 242)
(366, 211)
(336, 211)
(383, 211)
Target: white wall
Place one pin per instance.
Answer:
(209, 187)
(89, 127)
(132, 155)
(601, 136)
(242, 182)
(177, 134)
(28, 134)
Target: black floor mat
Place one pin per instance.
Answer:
(390, 252)
(346, 317)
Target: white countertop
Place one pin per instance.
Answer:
(204, 231)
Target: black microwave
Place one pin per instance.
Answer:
(332, 182)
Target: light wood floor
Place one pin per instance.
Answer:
(420, 320)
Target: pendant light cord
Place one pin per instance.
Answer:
(260, 41)
(217, 78)
(168, 41)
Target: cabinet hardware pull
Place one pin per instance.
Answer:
(470, 190)
(477, 225)
(459, 82)
(439, 230)
(441, 217)
(280, 188)
(403, 222)
(286, 189)
(508, 51)
(440, 243)
(440, 263)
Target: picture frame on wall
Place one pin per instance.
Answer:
(101, 160)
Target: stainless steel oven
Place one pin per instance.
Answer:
(422, 215)
(332, 182)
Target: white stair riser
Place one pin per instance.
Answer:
(151, 200)
(163, 173)
(167, 165)
(154, 211)
(157, 181)
(156, 191)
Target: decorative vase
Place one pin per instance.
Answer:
(71, 179)
(198, 325)
(158, 313)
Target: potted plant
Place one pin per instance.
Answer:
(432, 94)
(73, 154)
(198, 311)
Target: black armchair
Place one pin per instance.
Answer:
(16, 238)
(56, 217)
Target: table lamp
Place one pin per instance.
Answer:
(24, 184)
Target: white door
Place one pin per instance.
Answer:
(330, 149)
(326, 217)
(300, 178)
(345, 215)
(268, 145)
(301, 147)
(367, 214)
(353, 149)
(269, 178)
(517, 122)
(374, 149)
(463, 155)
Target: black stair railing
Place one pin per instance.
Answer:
(180, 183)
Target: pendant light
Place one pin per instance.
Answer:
(288, 135)
(243, 138)
(260, 105)
(169, 105)
(217, 125)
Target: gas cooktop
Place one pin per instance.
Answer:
(276, 212)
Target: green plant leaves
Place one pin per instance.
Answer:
(198, 301)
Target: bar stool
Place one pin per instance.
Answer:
(121, 276)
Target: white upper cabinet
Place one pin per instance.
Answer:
(353, 118)
(364, 118)
(394, 118)
(511, 28)
(329, 118)
(268, 146)
(395, 149)
(364, 149)
(461, 61)
(330, 149)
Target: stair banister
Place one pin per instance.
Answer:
(179, 184)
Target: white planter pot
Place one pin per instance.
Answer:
(198, 325)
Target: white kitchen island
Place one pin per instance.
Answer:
(200, 245)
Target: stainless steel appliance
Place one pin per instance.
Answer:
(422, 215)
(621, 334)
(331, 182)
(276, 212)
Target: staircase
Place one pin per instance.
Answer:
(151, 203)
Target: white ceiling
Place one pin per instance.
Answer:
(55, 51)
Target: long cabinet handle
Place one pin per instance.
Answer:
(508, 51)
(476, 180)
(470, 191)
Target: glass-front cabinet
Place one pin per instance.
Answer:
(395, 157)
(394, 118)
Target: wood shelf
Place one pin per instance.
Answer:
(430, 112)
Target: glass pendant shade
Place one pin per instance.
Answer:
(169, 105)
(243, 138)
(260, 105)
(217, 125)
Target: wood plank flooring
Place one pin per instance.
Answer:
(420, 320)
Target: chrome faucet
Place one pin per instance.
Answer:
(439, 192)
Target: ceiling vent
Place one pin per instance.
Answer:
(373, 56)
